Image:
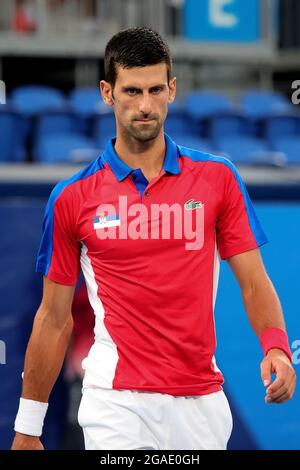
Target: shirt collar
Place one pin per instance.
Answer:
(121, 170)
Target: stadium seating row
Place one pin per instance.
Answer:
(264, 128)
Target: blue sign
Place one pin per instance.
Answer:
(222, 20)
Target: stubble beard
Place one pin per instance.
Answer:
(144, 135)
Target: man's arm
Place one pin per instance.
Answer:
(46, 349)
(264, 311)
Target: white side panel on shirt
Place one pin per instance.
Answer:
(215, 289)
(100, 364)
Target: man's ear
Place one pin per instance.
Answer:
(107, 93)
(172, 90)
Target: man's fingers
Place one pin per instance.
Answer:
(285, 396)
(285, 392)
(281, 399)
(284, 376)
(278, 383)
(266, 372)
(283, 387)
(271, 397)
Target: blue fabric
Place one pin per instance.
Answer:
(46, 245)
(121, 170)
(254, 222)
(139, 180)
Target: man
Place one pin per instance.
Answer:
(129, 218)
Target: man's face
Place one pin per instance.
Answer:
(140, 98)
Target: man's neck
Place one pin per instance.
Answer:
(148, 156)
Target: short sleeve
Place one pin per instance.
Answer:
(238, 228)
(59, 253)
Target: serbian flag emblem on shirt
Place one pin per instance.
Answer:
(104, 221)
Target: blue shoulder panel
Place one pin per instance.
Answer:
(46, 245)
(198, 156)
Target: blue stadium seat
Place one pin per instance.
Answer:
(103, 128)
(66, 148)
(201, 104)
(282, 125)
(260, 104)
(55, 122)
(245, 149)
(189, 141)
(178, 122)
(86, 101)
(32, 99)
(12, 135)
(290, 146)
(229, 124)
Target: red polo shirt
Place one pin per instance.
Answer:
(151, 285)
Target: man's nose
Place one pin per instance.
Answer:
(145, 104)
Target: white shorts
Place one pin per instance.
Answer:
(132, 420)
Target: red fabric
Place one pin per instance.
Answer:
(153, 297)
(275, 338)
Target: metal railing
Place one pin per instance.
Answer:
(89, 16)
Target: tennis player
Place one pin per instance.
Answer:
(147, 222)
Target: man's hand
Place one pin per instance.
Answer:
(283, 387)
(25, 442)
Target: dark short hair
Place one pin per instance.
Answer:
(135, 47)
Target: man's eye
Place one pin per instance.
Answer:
(131, 91)
(156, 90)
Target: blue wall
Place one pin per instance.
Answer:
(239, 353)
(20, 293)
(257, 425)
